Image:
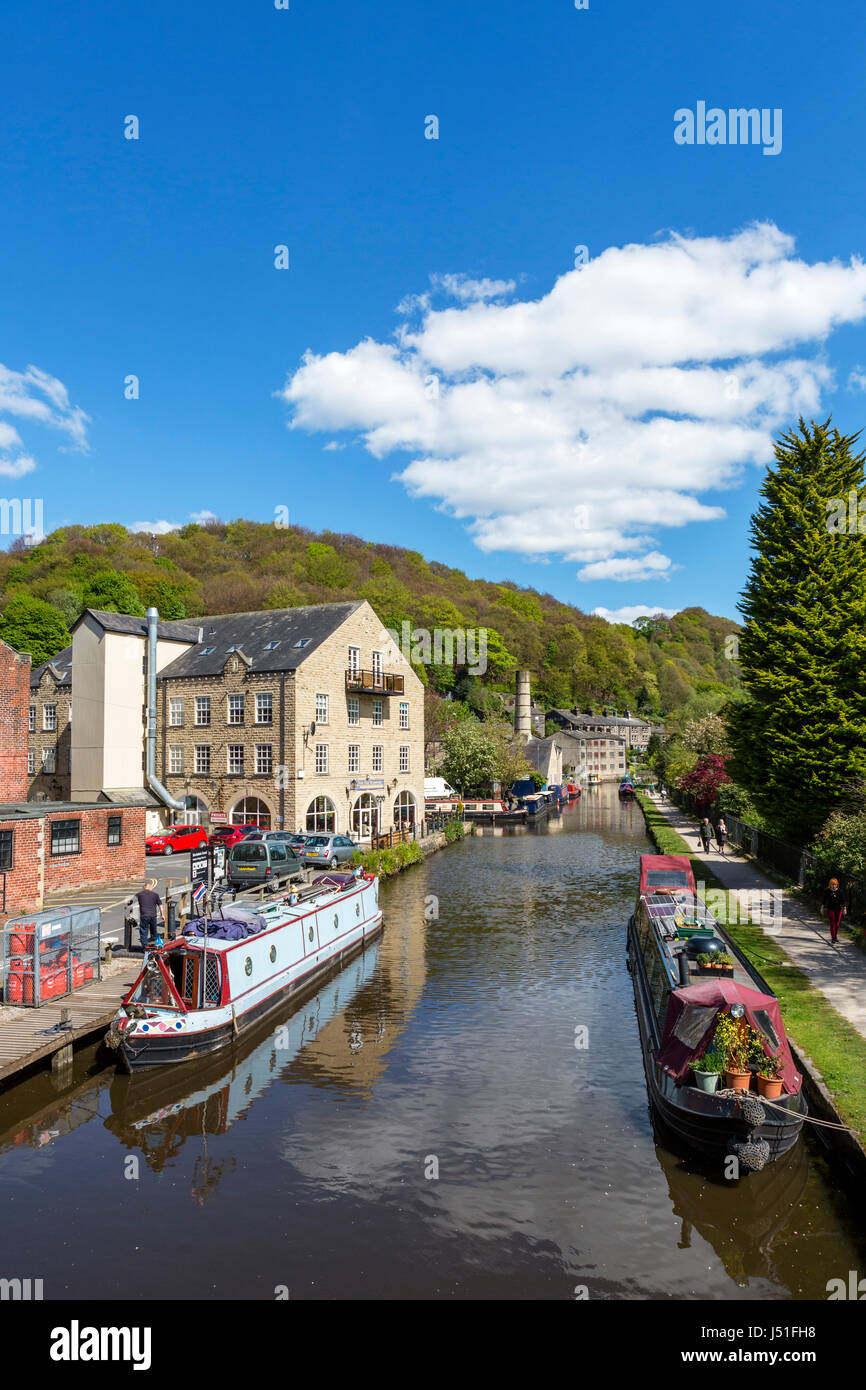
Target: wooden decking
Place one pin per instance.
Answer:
(24, 1042)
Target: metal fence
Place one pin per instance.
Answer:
(48, 954)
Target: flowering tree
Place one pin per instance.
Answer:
(707, 735)
(705, 778)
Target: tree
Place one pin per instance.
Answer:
(800, 739)
(705, 779)
(469, 757)
(111, 591)
(31, 625)
(707, 735)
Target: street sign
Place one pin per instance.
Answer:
(199, 865)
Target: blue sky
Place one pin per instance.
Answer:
(306, 127)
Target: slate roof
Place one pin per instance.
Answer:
(581, 720)
(126, 624)
(252, 632)
(37, 810)
(62, 664)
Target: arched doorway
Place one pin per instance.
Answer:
(252, 811)
(195, 812)
(404, 810)
(364, 816)
(321, 817)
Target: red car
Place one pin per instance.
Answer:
(229, 835)
(175, 839)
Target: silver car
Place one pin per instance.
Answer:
(327, 851)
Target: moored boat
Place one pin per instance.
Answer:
(680, 1011)
(201, 991)
(491, 812)
(626, 789)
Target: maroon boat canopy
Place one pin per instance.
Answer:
(667, 872)
(691, 1019)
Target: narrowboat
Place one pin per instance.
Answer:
(536, 806)
(626, 789)
(573, 789)
(678, 1018)
(492, 812)
(201, 991)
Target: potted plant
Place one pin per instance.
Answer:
(734, 1037)
(770, 1077)
(708, 1068)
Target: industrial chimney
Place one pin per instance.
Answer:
(522, 706)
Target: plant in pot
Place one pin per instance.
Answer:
(708, 1068)
(734, 1036)
(770, 1077)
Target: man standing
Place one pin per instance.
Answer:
(149, 908)
(706, 833)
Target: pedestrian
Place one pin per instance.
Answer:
(706, 834)
(721, 834)
(835, 905)
(149, 908)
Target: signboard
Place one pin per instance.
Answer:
(366, 783)
(199, 864)
(219, 818)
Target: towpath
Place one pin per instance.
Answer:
(838, 971)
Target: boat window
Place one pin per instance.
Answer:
(693, 1023)
(249, 852)
(762, 1018)
(489, 806)
(673, 878)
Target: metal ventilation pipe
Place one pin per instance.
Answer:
(150, 766)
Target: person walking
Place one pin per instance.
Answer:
(706, 833)
(721, 834)
(834, 904)
(149, 908)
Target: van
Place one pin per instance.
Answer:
(437, 787)
(258, 861)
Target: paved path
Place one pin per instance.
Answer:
(839, 970)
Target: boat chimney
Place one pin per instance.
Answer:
(523, 705)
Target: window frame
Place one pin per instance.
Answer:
(114, 822)
(202, 706)
(56, 826)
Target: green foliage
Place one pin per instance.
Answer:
(31, 625)
(712, 1062)
(113, 592)
(841, 844)
(469, 758)
(800, 739)
(326, 567)
(454, 830)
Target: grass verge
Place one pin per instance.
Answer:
(817, 1029)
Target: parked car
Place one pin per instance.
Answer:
(329, 850)
(256, 861)
(175, 839)
(288, 837)
(229, 835)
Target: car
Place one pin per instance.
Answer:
(255, 860)
(328, 850)
(229, 835)
(176, 839)
(287, 837)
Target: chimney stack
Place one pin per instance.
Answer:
(522, 706)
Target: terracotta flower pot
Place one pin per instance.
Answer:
(738, 1080)
(770, 1086)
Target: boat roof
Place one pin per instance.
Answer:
(665, 871)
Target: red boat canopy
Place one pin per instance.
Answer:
(665, 871)
(691, 1018)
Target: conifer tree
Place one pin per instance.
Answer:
(800, 740)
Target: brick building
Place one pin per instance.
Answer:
(14, 701)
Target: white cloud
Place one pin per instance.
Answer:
(857, 379)
(155, 528)
(471, 291)
(578, 424)
(37, 398)
(203, 516)
(630, 612)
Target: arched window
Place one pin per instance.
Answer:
(195, 812)
(321, 816)
(252, 811)
(404, 809)
(364, 816)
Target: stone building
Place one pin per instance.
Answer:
(635, 732)
(302, 719)
(49, 737)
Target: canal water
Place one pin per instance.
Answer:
(460, 1113)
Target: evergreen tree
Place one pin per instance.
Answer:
(30, 625)
(800, 739)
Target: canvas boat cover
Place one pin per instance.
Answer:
(691, 1019)
(225, 928)
(666, 870)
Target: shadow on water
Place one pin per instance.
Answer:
(425, 1125)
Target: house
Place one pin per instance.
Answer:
(636, 732)
(49, 725)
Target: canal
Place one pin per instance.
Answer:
(460, 1113)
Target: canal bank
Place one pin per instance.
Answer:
(460, 1114)
(829, 1049)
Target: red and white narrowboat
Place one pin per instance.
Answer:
(202, 990)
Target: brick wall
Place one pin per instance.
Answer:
(35, 871)
(14, 703)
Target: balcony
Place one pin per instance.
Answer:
(374, 682)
